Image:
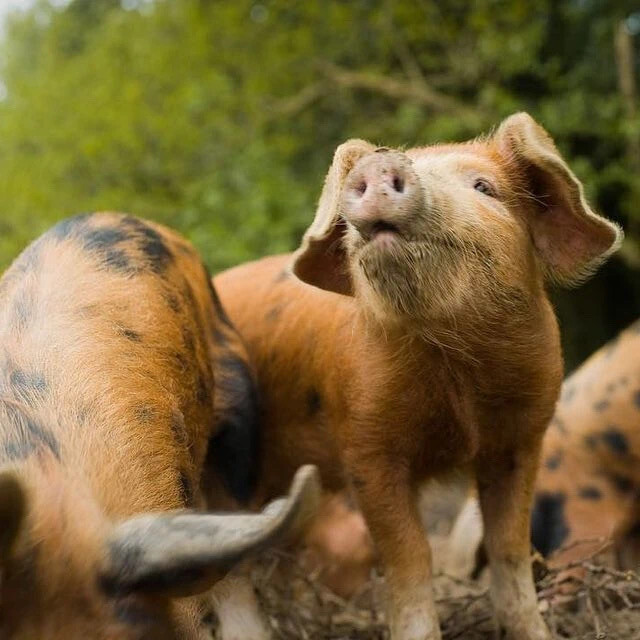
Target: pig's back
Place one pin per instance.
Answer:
(105, 359)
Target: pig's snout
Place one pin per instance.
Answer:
(382, 195)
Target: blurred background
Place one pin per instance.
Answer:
(220, 118)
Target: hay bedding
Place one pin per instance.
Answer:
(602, 603)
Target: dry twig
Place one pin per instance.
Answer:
(581, 601)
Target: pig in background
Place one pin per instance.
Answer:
(589, 481)
(425, 345)
(121, 382)
(588, 487)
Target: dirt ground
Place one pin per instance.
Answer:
(603, 604)
(585, 601)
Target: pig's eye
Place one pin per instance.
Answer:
(485, 187)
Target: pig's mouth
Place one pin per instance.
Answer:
(382, 227)
(377, 236)
(382, 235)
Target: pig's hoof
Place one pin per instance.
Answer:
(249, 630)
(416, 625)
(534, 628)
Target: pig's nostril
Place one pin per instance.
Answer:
(361, 188)
(398, 184)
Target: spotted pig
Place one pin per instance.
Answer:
(411, 336)
(121, 377)
(589, 483)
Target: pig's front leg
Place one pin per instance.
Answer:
(388, 502)
(236, 605)
(505, 485)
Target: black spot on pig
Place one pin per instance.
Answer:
(154, 248)
(203, 389)
(219, 334)
(23, 309)
(590, 441)
(234, 451)
(43, 437)
(590, 493)
(28, 437)
(274, 313)
(601, 406)
(27, 384)
(221, 313)
(118, 260)
(616, 441)
(172, 301)
(554, 461)
(185, 487)
(314, 402)
(101, 239)
(549, 528)
(145, 413)
(149, 243)
(17, 449)
(69, 226)
(621, 483)
(102, 242)
(130, 334)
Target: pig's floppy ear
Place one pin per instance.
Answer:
(183, 554)
(321, 260)
(571, 240)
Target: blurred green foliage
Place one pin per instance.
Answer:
(220, 117)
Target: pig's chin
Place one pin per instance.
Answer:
(414, 278)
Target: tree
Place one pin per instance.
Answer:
(220, 118)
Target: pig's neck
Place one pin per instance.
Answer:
(498, 358)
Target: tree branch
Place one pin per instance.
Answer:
(418, 92)
(298, 102)
(623, 44)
